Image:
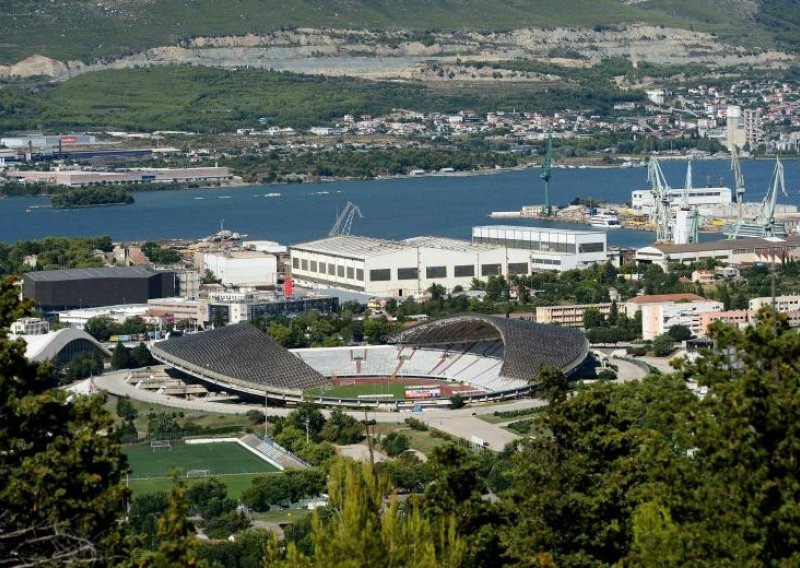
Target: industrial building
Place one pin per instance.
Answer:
(46, 142)
(79, 178)
(237, 307)
(242, 268)
(546, 248)
(57, 290)
(740, 251)
(571, 316)
(399, 268)
(643, 203)
(77, 318)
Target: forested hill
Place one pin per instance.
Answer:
(89, 29)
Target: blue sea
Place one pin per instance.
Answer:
(392, 208)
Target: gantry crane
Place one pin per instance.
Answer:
(662, 201)
(344, 222)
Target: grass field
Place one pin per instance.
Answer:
(396, 387)
(236, 483)
(220, 458)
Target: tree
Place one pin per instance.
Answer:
(613, 314)
(60, 470)
(140, 357)
(663, 345)
(100, 327)
(125, 408)
(593, 318)
(395, 443)
(367, 529)
(457, 401)
(679, 333)
(376, 329)
(342, 428)
(120, 358)
(437, 292)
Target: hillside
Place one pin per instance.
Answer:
(89, 29)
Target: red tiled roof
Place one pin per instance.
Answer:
(656, 298)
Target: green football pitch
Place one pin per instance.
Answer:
(220, 458)
(397, 388)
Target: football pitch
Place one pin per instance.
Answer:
(394, 387)
(220, 458)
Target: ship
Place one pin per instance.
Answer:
(224, 235)
(604, 219)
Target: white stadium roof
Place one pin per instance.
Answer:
(45, 346)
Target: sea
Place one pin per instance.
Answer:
(396, 208)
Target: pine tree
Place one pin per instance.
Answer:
(120, 358)
(60, 467)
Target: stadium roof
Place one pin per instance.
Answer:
(46, 346)
(86, 273)
(241, 356)
(527, 346)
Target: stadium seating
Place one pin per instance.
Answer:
(274, 453)
(239, 353)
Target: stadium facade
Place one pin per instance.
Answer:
(487, 357)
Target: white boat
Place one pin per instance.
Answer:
(605, 223)
(604, 219)
(272, 195)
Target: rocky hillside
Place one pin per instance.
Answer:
(90, 30)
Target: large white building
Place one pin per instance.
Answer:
(642, 201)
(546, 248)
(399, 268)
(78, 318)
(242, 268)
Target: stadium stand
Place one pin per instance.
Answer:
(277, 455)
(526, 346)
(239, 355)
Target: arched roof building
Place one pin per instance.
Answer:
(59, 346)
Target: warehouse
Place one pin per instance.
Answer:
(56, 290)
(769, 250)
(548, 249)
(400, 268)
(242, 268)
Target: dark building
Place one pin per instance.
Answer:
(55, 290)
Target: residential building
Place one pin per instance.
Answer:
(782, 303)
(571, 316)
(663, 311)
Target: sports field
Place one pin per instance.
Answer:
(362, 386)
(221, 458)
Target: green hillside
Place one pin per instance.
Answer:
(206, 99)
(87, 29)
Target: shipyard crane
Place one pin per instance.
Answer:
(766, 215)
(344, 222)
(547, 172)
(738, 177)
(662, 201)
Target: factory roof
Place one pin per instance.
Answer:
(353, 247)
(448, 244)
(733, 244)
(87, 273)
(659, 298)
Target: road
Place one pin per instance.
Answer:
(461, 422)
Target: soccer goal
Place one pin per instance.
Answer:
(161, 445)
(198, 473)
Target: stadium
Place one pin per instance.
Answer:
(480, 357)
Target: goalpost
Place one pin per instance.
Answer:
(198, 473)
(161, 445)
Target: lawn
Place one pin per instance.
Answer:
(219, 458)
(395, 387)
(236, 483)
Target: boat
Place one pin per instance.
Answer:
(604, 219)
(272, 195)
(224, 197)
(224, 235)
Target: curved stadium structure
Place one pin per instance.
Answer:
(480, 357)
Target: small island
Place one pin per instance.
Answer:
(91, 197)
